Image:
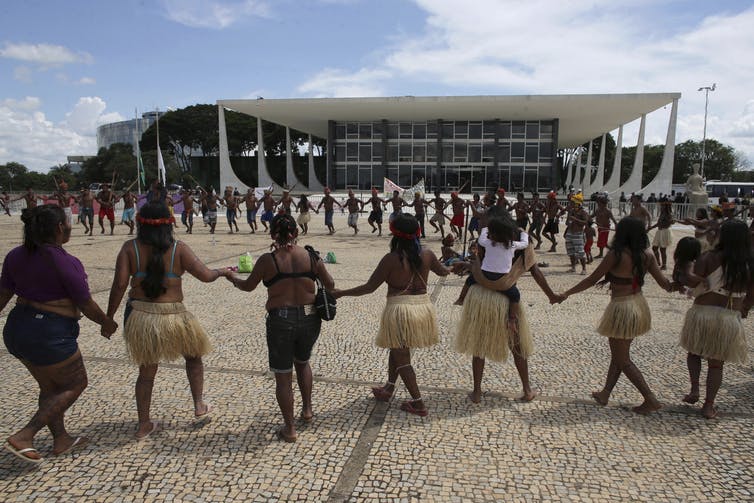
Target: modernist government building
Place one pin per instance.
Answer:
(476, 142)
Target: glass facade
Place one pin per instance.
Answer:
(515, 155)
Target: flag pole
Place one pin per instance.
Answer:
(159, 174)
(138, 152)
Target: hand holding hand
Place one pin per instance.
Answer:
(557, 298)
(108, 328)
(336, 293)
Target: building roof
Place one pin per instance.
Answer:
(582, 116)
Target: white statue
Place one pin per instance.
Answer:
(695, 191)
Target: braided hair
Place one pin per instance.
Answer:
(40, 224)
(283, 230)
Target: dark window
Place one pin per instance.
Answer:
(489, 129)
(505, 131)
(420, 131)
(365, 152)
(377, 130)
(404, 153)
(504, 152)
(377, 152)
(545, 128)
(504, 179)
(432, 129)
(340, 132)
(532, 130)
(340, 178)
(475, 153)
(475, 131)
(392, 152)
(352, 151)
(532, 152)
(488, 152)
(517, 151)
(478, 178)
(406, 130)
(352, 130)
(518, 129)
(530, 180)
(365, 178)
(404, 176)
(418, 173)
(392, 130)
(340, 152)
(462, 129)
(451, 178)
(420, 152)
(545, 150)
(447, 130)
(392, 173)
(431, 151)
(365, 131)
(447, 152)
(461, 152)
(517, 178)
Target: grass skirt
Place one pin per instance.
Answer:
(408, 321)
(159, 331)
(663, 238)
(303, 218)
(626, 317)
(483, 329)
(714, 332)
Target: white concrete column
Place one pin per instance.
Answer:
(569, 169)
(314, 185)
(586, 183)
(633, 184)
(290, 175)
(576, 182)
(599, 180)
(663, 181)
(265, 180)
(614, 182)
(227, 175)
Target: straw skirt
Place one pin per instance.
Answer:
(163, 331)
(408, 321)
(303, 218)
(714, 332)
(626, 317)
(483, 330)
(663, 238)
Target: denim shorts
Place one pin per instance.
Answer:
(291, 334)
(328, 217)
(513, 294)
(40, 337)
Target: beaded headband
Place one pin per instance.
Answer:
(155, 221)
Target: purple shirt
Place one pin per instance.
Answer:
(49, 273)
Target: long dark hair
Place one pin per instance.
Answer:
(283, 230)
(40, 224)
(410, 249)
(160, 239)
(501, 228)
(737, 258)
(631, 236)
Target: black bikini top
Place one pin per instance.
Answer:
(618, 280)
(286, 275)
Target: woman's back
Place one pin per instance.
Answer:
(140, 254)
(289, 274)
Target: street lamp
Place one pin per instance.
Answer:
(706, 90)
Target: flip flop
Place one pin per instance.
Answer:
(155, 428)
(19, 453)
(285, 438)
(79, 443)
(409, 407)
(381, 394)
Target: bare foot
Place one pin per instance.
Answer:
(709, 411)
(528, 396)
(458, 302)
(146, 429)
(600, 397)
(571, 270)
(286, 436)
(307, 415)
(691, 398)
(475, 396)
(648, 407)
(202, 409)
(69, 444)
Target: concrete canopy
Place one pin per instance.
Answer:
(582, 117)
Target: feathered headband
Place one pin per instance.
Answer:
(405, 235)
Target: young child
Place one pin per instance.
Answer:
(449, 255)
(589, 240)
(499, 248)
(687, 251)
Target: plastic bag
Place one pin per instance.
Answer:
(245, 263)
(330, 258)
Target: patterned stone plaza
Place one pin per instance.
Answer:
(562, 446)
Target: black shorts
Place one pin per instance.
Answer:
(40, 337)
(536, 225)
(552, 226)
(291, 334)
(376, 216)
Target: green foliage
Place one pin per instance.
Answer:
(720, 161)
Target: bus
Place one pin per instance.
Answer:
(716, 189)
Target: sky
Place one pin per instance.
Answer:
(67, 67)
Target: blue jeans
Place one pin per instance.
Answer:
(40, 337)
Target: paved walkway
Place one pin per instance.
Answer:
(562, 446)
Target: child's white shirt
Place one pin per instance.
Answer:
(498, 258)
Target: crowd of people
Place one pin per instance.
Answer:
(52, 293)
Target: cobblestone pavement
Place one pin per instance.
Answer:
(562, 446)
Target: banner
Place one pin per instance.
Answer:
(408, 194)
(389, 187)
(160, 166)
(259, 191)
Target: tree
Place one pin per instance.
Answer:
(118, 158)
(720, 161)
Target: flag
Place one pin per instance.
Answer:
(408, 194)
(140, 167)
(389, 187)
(160, 166)
(259, 191)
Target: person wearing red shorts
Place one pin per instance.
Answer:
(603, 216)
(459, 206)
(589, 238)
(106, 199)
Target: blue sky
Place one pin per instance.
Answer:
(66, 67)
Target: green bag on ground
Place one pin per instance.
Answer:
(245, 263)
(330, 258)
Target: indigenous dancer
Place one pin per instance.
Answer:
(171, 208)
(409, 319)
(553, 210)
(157, 326)
(477, 210)
(86, 210)
(502, 202)
(293, 326)
(574, 235)
(29, 196)
(705, 230)
(603, 216)
(639, 211)
(304, 206)
(712, 328)
(211, 199)
(627, 315)
(64, 200)
(589, 240)
(438, 219)
(5, 202)
(485, 331)
(522, 211)
(420, 206)
(354, 206)
(397, 202)
(328, 202)
(129, 211)
(106, 200)
(375, 217)
(286, 201)
(230, 202)
(663, 237)
(458, 206)
(251, 209)
(268, 203)
(41, 330)
(537, 210)
(187, 215)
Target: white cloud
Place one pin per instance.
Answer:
(579, 46)
(22, 74)
(44, 54)
(28, 137)
(213, 14)
(86, 81)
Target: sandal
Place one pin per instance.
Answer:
(408, 406)
(381, 394)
